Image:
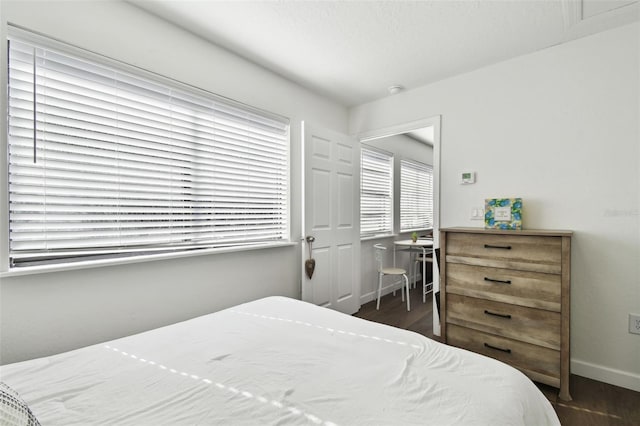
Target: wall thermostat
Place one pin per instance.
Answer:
(468, 177)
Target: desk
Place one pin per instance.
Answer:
(424, 245)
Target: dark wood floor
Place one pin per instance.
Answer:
(594, 403)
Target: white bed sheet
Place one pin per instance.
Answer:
(276, 361)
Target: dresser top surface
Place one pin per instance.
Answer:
(538, 232)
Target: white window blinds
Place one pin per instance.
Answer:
(105, 162)
(376, 193)
(416, 196)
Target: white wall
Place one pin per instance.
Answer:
(558, 128)
(49, 313)
(403, 148)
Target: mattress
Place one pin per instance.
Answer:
(276, 361)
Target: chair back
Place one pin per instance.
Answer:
(379, 251)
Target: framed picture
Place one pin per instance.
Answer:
(503, 213)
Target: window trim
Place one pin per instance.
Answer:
(391, 158)
(429, 168)
(86, 264)
(177, 252)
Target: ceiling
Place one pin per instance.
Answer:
(353, 51)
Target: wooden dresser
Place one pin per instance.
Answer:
(506, 294)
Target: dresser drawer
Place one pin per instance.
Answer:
(544, 363)
(524, 288)
(534, 326)
(521, 252)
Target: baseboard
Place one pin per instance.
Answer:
(373, 295)
(624, 379)
(368, 297)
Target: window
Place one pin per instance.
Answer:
(106, 162)
(376, 193)
(416, 196)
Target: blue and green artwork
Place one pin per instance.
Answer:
(503, 213)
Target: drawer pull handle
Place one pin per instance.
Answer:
(486, 345)
(507, 316)
(497, 247)
(497, 281)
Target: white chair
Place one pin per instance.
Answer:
(426, 258)
(382, 271)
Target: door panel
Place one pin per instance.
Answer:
(321, 278)
(320, 192)
(344, 276)
(345, 206)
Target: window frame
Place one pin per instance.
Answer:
(389, 158)
(116, 257)
(428, 169)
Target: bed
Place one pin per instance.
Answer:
(276, 361)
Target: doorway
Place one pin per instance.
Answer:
(427, 130)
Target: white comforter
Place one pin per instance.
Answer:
(276, 361)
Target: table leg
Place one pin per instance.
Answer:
(424, 274)
(394, 255)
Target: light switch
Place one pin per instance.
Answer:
(477, 213)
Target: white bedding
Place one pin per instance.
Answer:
(276, 361)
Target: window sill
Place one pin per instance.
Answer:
(30, 270)
(417, 230)
(377, 237)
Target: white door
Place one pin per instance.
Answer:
(331, 215)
